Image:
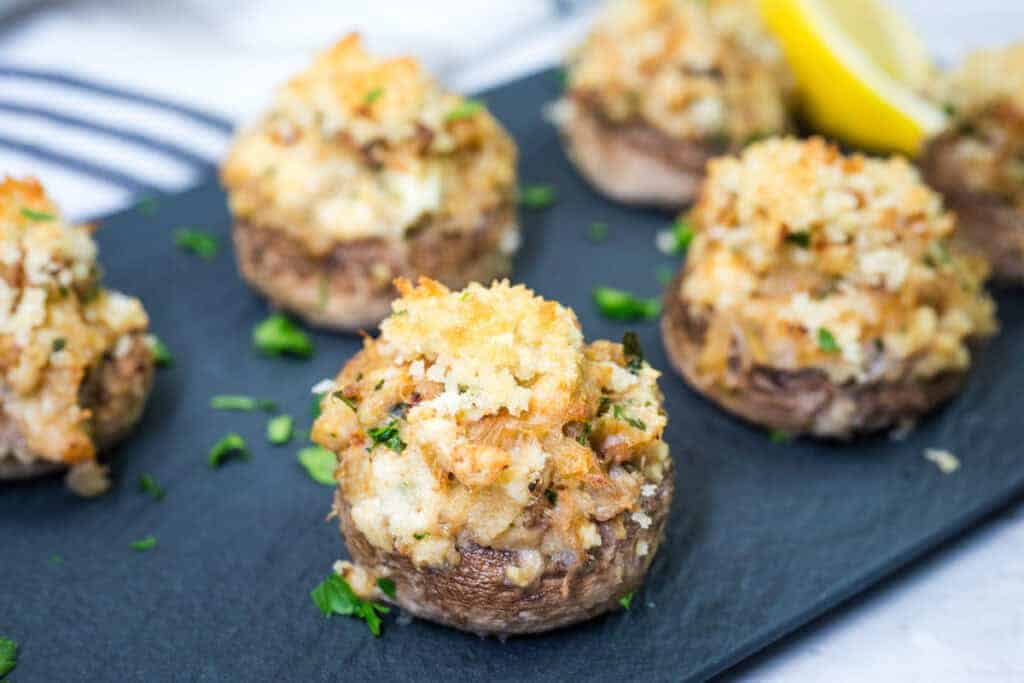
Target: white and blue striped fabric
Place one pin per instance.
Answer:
(107, 145)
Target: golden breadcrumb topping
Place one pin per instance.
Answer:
(804, 257)
(986, 97)
(481, 416)
(359, 147)
(689, 68)
(56, 322)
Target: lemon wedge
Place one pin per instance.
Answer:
(859, 68)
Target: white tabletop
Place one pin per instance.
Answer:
(959, 616)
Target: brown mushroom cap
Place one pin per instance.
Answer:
(476, 596)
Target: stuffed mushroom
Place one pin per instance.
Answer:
(75, 363)
(363, 170)
(506, 476)
(978, 163)
(661, 86)
(821, 294)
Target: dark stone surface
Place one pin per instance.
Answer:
(763, 537)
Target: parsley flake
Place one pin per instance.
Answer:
(277, 335)
(143, 544)
(232, 444)
(147, 206)
(373, 96)
(346, 400)
(242, 403)
(597, 232)
(58, 344)
(387, 586)
(420, 535)
(198, 242)
(619, 413)
(161, 354)
(8, 655)
(314, 407)
(465, 110)
(39, 216)
(335, 596)
(149, 486)
(537, 197)
(552, 496)
(621, 305)
(279, 429)
(800, 239)
(633, 351)
(827, 342)
(626, 600)
(387, 435)
(320, 464)
(676, 239)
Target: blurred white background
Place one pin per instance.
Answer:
(959, 617)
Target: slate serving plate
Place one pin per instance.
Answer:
(763, 537)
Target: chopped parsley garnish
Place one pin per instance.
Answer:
(346, 400)
(320, 464)
(633, 351)
(277, 335)
(196, 241)
(465, 110)
(314, 407)
(664, 274)
(161, 354)
(583, 438)
(603, 405)
(779, 436)
(149, 486)
(626, 600)
(387, 435)
(373, 95)
(34, 215)
(676, 239)
(387, 586)
(59, 343)
(8, 655)
(378, 385)
(597, 232)
(621, 305)
(240, 402)
(279, 429)
(147, 543)
(938, 255)
(827, 342)
(799, 239)
(536, 197)
(231, 445)
(335, 596)
(147, 206)
(619, 413)
(552, 496)
(420, 535)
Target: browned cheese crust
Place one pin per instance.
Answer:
(349, 287)
(802, 401)
(115, 393)
(476, 596)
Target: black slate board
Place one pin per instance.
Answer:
(763, 537)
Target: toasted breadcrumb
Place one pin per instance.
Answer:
(944, 460)
(804, 257)
(690, 69)
(482, 416)
(56, 324)
(360, 147)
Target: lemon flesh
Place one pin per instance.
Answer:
(858, 69)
